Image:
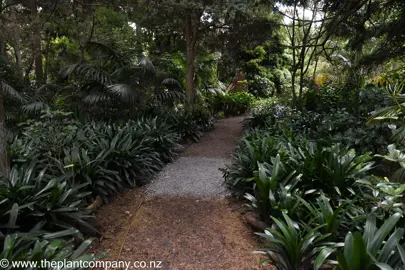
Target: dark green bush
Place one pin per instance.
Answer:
(378, 247)
(295, 247)
(261, 86)
(33, 249)
(187, 125)
(274, 191)
(108, 156)
(335, 126)
(326, 98)
(254, 148)
(32, 198)
(324, 157)
(59, 165)
(332, 169)
(230, 104)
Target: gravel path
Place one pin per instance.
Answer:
(198, 176)
(186, 221)
(197, 172)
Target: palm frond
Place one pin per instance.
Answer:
(147, 66)
(10, 92)
(387, 114)
(107, 53)
(45, 88)
(85, 71)
(212, 91)
(171, 82)
(92, 86)
(168, 95)
(123, 92)
(11, 116)
(399, 134)
(34, 108)
(95, 98)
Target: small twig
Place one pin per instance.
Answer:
(129, 227)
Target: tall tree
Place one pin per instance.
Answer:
(310, 25)
(304, 33)
(5, 91)
(380, 23)
(195, 21)
(36, 42)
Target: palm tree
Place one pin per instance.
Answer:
(5, 91)
(121, 80)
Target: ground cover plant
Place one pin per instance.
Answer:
(323, 174)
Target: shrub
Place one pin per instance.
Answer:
(276, 117)
(293, 247)
(274, 190)
(254, 148)
(31, 198)
(203, 119)
(328, 187)
(231, 104)
(187, 126)
(261, 86)
(323, 212)
(326, 98)
(29, 248)
(111, 156)
(333, 169)
(376, 248)
(336, 126)
(260, 112)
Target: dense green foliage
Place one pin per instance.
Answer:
(230, 104)
(59, 166)
(28, 248)
(326, 172)
(97, 96)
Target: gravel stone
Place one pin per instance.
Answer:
(197, 172)
(194, 176)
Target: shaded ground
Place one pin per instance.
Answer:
(183, 218)
(220, 142)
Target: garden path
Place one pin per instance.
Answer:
(185, 220)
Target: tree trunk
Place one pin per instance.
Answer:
(190, 33)
(190, 90)
(315, 68)
(17, 54)
(2, 44)
(47, 49)
(36, 44)
(16, 42)
(36, 50)
(294, 72)
(301, 86)
(3, 54)
(4, 164)
(293, 75)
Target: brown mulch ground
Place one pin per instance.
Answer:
(183, 232)
(220, 142)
